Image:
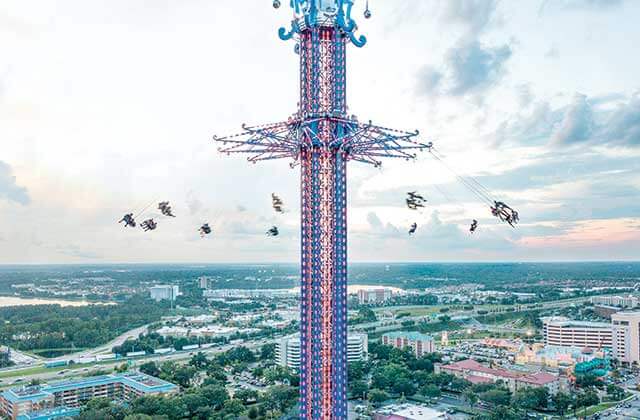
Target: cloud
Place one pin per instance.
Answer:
(476, 14)
(473, 67)
(580, 5)
(552, 53)
(623, 126)
(607, 120)
(577, 123)
(470, 66)
(9, 190)
(193, 203)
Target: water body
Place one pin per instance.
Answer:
(16, 301)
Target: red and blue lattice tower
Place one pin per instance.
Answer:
(321, 138)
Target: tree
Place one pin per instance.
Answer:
(215, 395)
(589, 380)
(268, 351)
(378, 396)
(504, 413)
(150, 368)
(355, 370)
(587, 398)
(403, 386)
(470, 397)
(199, 361)
(232, 408)
(496, 397)
(615, 392)
(531, 398)
(458, 384)
(358, 388)
(253, 413)
(430, 391)
(279, 397)
(562, 401)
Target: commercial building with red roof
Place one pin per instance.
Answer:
(476, 372)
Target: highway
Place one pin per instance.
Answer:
(79, 370)
(390, 324)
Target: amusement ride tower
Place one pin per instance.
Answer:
(321, 138)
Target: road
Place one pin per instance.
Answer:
(106, 348)
(178, 357)
(385, 325)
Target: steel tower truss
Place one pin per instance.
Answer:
(321, 138)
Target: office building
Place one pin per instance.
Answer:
(288, 350)
(368, 296)
(420, 344)
(626, 336)
(31, 402)
(561, 331)
(164, 292)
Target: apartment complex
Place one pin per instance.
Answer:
(63, 398)
(164, 292)
(561, 331)
(420, 344)
(366, 296)
(620, 301)
(476, 373)
(288, 350)
(626, 336)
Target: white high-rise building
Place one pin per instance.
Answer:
(561, 331)
(164, 292)
(626, 336)
(288, 350)
(378, 295)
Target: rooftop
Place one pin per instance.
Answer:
(411, 335)
(540, 378)
(566, 322)
(139, 381)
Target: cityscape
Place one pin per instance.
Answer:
(457, 349)
(442, 223)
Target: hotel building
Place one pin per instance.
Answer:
(420, 344)
(561, 331)
(477, 373)
(626, 336)
(288, 350)
(366, 296)
(60, 399)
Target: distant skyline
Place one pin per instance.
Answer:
(106, 107)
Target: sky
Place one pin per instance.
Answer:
(108, 107)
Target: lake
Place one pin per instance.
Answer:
(17, 301)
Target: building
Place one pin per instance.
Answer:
(561, 331)
(288, 350)
(378, 295)
(249, 293)
(30, 402)
(476, 373)
(203, 282)
(626, 337)
(420, 344)
(164, 292)
(408, 412)
(555, 357)
(619, 301)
